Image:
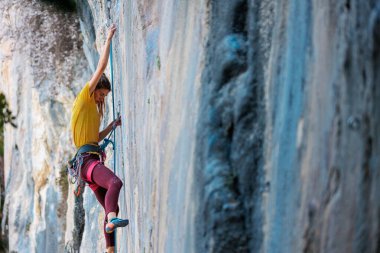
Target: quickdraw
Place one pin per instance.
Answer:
(74, 171)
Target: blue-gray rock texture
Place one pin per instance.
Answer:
(248, 126)
(288, 128)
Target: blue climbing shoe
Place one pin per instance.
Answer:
(115, 223)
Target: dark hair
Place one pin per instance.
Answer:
(103, 83)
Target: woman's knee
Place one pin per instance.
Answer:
(117, 183)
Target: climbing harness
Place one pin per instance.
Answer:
(75, 164)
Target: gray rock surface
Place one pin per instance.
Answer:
(41, 60)
(248, 126)
(287, 152)
(158, 61)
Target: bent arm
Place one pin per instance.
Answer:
(108, 129)
(105, 132)
(103, 61)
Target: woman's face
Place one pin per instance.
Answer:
(100, 95)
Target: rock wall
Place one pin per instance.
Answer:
(158, 62)
(287, 151)
(41, 65)
(323, 129)
(248, 126)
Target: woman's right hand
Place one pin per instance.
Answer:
(111, 32)
(117, 121)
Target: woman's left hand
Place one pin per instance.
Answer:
(111, 32)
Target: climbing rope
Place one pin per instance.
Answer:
(113, 114)
(113, 108)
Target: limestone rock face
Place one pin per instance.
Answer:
(158, 54)
(287, 149)
(248, 126)
(282, 96)
(41, 65)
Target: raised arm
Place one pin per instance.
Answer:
(103, 61)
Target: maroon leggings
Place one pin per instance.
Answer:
(106, 192)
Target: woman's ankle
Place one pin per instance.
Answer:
(110, 216)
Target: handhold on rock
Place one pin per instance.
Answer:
(353, 122)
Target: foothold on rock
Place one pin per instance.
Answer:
(158, 61)
(313, 207)
(267, 186)
(231, 56)
(230, 206)
(353, 123)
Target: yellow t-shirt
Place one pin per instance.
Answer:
(85, 119)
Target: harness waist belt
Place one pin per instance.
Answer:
(87, 148)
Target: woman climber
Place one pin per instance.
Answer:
(87, 112)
